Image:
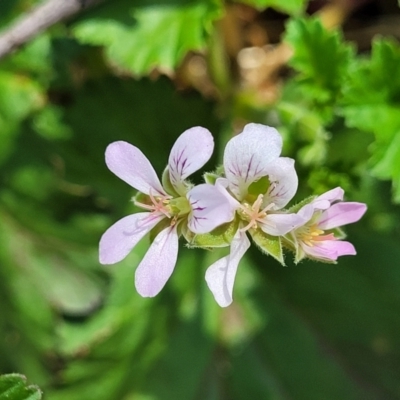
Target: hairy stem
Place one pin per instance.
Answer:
(38, 20)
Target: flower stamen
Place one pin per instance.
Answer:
(253, 214)
(310, 234)
(159, 205)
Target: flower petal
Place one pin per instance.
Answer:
(222, 184)
(133, 167)
(284, 182)
(306, 213)
(210, 208)
(332, 195)
(220, 276)
(190, 152)
(341, 214)
(158, 263)
(118, 240)
(248, 155)
(281, 224)
(329, 249)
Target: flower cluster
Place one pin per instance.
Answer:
(246, 196)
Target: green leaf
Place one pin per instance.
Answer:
(268, 244)
(14, 387)
(375, 80)
(288, 6)
(319, 56)
(19, 96)
(151, 36)
(48, 123)
(371, 103)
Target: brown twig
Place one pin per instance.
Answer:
(38, 20)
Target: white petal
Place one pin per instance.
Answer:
(305, 213)
(222, 184)
(133, 167)
(158, 263)
(280, 224)
(118, 240)
(210, 208)
(248, 155)
(284, 182)
(190, 152)
(220, 276)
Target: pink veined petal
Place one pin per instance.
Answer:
(332, 195)
(191, 151)
(158, 263)
(220, 276)
(341, 214)
(133, 167)
(284, 182)
(280, 224)
(329, 249)
(210, 208)
(118, 240)
(248, 155)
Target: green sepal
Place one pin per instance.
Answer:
(180, 206)
(337, 232)
(14, 387)
(289, 242)
(296, 207)
(219, 237)
(167, 184)
(164, 223)
(142, 198)
(210, 178)
(299, 255)
(268, 244)
(259, 187)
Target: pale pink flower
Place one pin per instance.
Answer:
(258, 184)
(314, 236)
(201, 208)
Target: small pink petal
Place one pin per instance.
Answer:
(283, 177)
(321, 204)
(280, 224)
(306, 213)
(210, 208)
(329, 249)
(248, 155)
(220, 276)
(191, 151)
(118, 240)
(342, 213)
(332, 195)
(158, 263)
(133, 167)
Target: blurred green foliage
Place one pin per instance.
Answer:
(13, 387)
(79, 330)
